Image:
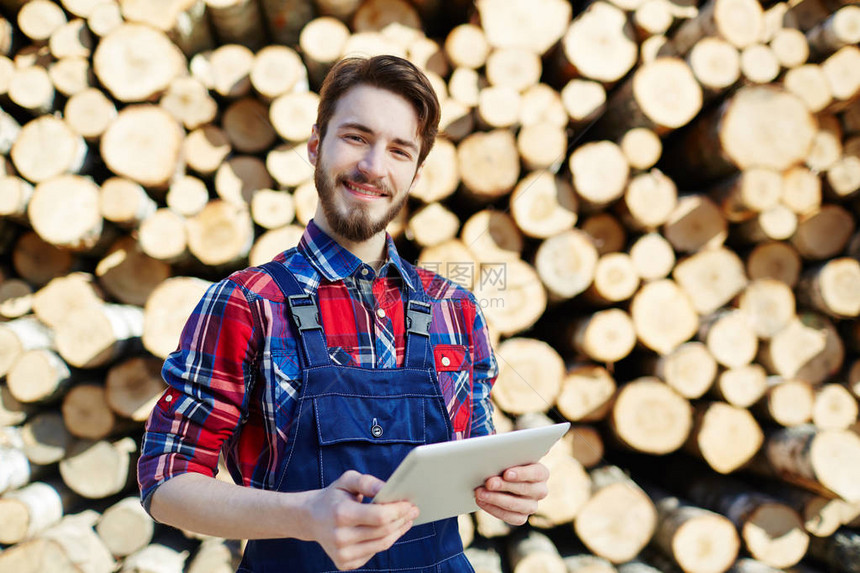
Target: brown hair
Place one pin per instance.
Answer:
(389, 73)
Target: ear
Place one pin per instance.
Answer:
(314, 145)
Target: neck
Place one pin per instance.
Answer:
(371, 251)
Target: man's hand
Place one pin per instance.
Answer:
(352, 532)
(513, 496)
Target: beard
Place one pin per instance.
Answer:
(356, 225)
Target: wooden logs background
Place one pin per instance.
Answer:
(655, 202)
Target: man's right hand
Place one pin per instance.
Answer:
(352, 532)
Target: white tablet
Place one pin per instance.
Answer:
(441, 478)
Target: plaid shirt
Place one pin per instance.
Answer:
(237, 371)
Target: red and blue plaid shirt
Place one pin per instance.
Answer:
(220, 397)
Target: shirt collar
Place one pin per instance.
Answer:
(335, 263)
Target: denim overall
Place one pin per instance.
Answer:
(365, 420)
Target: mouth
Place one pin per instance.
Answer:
(363, 191)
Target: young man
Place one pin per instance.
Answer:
(316, 373)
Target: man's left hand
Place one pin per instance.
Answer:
(513, 496)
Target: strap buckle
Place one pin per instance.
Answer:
(306, 316)
(418, 317)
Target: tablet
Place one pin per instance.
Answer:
(441, 478)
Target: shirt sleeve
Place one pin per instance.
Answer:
(485, 370)
(207, 378)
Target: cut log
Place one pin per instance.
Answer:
(104, 18)
(89, 113)
(662, 95)
(64, 294)
(833, 288)
(641, 147)
(690, 369)
(187, 196)
(498, 107)
(619, 519)
(730, 338)
(801, 190)
(125, 202)
(738, 21)
(46, 440)
(530, 375)
(484, 560)
(98, 469)
(457, 121)
(167, 310)
(834, 408)
(15, 194)
(38, 375)
(322, 42)
(759, 64)
(28, 511)
(465, 527)
(586, 445)
(229, 70)
(809, 83)
(273, 209)
(808, 348)
(615, 280)
(541, 104)
(648, 416)
(125, 527)
(492, 236)
(137, 63)
(285, 19)
(524, 24)
(86, 413)
(841, 71)
(489, 526)
(534, 552)
(512, 300)
(64, 211)
(274, 242)
(774, 260)
(752, 191)
(843, 176)
(289, 165)
(16, 298)
(246, 123)
(768, 305)
(653, 18)
(184, 21)
(716, 65)
(293, 115)
(35, 556)
(695, 538)
(72, 39)
(219, 556)
(46, 147)
(31, 89)
(841, 28)
(777, 223)
(606, 231)
(694, 224)
(38, 19)
(238, 178)
(93, 336)
(586, 394)
(466, 47)
(566, 263)
(222, 233)
(237, 22)
(132, 387)
(583, 100)
(790, 47)
(79, 541)
(306, 199)
(143, 144)
(825, 461)
(543, 205)
(735, 135)
(605, 336)
(542, 145)
(649, 200)
(599, 171)
(787, 402)
(664, 316)
(652, 256)
(188, 100)
(711, 278)
(821, 516)
(726, 437)
(772, 532)
(515, 68)
(15, 470)
(12, 412)
(569, 487)
(604, 25)
(823, 234)
(163, 236)
(206, 148)
(432, 225)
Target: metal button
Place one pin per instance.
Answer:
(375, 429)
(446, 361)
(380, 313)
(364, 271)
(168, 398)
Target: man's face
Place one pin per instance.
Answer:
(367, 163)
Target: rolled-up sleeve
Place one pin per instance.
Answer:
(207, 377)
(485, 370)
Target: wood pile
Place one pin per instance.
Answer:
(655, 203)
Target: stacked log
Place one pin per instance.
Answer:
(661, 233)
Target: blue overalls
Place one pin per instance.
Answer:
(366, 420)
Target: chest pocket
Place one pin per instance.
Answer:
(454, 371)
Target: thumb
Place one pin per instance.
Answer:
(363, 485)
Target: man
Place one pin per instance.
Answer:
(317, 372)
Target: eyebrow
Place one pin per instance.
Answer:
(364, 129)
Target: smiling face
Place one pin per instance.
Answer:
(367, 163)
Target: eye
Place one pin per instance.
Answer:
(402, 153)
(353, 137)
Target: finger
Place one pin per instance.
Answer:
(527, 473)
(359, 484)
(364, 533)
(360, 553)
(506, 502)
(511, 517)
(532, 490)
(378, 514)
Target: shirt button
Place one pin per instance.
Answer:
(380, 313)
(446, 361)
(364, 272)
(168, 398)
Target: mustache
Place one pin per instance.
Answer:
(363, 179)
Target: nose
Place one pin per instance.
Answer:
(372, 163)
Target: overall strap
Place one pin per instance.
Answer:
(419, 315)
(304, 312)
